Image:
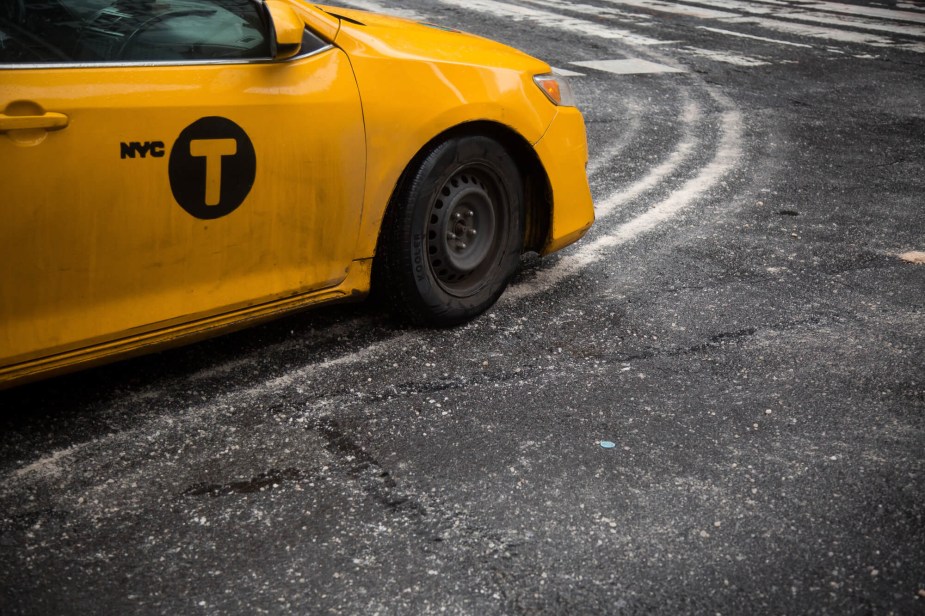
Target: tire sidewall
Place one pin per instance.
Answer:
(435, 170)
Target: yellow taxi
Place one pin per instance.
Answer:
(173, 168)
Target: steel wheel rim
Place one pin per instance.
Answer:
(465, 228)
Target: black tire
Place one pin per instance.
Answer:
(453, 235)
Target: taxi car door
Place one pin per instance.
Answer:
(158, 167)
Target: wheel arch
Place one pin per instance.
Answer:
(536, 186)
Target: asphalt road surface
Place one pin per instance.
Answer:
(745, 324)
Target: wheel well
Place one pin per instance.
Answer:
(536, 189)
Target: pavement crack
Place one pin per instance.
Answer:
(363, 468)
(263, 482)
(742, 333)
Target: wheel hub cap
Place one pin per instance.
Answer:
(461, 230)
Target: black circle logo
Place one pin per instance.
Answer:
(212, 167)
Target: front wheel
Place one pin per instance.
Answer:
(453, 235)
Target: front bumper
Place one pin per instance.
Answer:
(563, 150)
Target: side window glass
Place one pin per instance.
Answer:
(102, 31)
(310, 43)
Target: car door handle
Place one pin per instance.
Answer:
(48, 121)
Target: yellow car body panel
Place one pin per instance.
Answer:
(563, 150)
(92, 229)
(410, 77)
(101, 259)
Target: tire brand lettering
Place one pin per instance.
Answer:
(418, 242)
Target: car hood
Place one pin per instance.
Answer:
(403, 38)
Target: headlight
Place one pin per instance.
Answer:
(556, 88)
